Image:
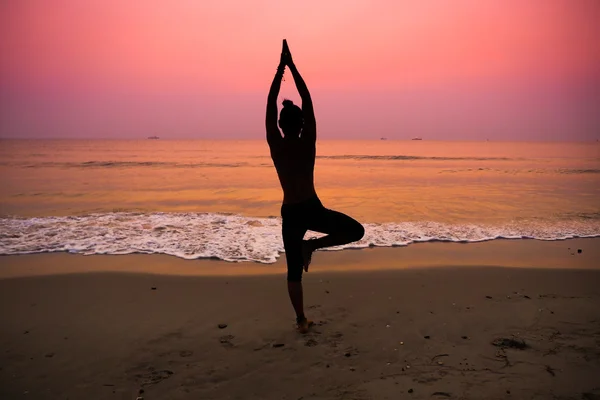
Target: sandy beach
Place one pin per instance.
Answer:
(494, 320)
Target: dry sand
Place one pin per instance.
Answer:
(389, 332)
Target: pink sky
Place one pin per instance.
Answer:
(461, 69)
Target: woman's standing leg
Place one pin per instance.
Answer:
(293, 235)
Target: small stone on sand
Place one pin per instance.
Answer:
(222, 326)
(510, 343)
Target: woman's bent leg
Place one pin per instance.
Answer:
(340, 229)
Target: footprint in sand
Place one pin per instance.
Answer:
(153, 377)
(335, 339)
(226, 340)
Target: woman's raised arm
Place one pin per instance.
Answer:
(309, 131)
(273, 132)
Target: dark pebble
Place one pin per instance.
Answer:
(510, 343)
(25, 333)
(508, 392)
(410, 390)
(278, 344)
(327, 291)
(141, 391)
(50, 355)
(222, 326)
(527, 297)
(327, 366)
(347, 354)
(427, 337)
(153, 288)
(397, 312)
(352, 369)
(488, 297)
(579, 251)
(465, 337)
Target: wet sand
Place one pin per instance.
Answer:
(430, 321)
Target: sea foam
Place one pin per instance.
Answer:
(239, 238)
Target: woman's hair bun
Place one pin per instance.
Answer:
(288, 103)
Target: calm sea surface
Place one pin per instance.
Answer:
(222, 199)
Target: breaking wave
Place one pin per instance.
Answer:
(238, 238)
(401, 157)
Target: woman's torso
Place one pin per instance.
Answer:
(295, 163)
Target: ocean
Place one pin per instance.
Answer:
(221, 199)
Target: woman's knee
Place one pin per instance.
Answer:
(357, 232)
(294, 274)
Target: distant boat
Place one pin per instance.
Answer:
(417, 138)
(383, 138)
(153, 137)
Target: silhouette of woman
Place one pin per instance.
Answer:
(294, 159)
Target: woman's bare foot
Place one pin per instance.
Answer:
(304, 325)
(307, 250)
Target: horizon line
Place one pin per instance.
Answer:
(320, 139)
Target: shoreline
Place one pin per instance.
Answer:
(518, 253)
